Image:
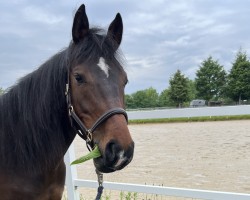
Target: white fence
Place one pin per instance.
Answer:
(190, 112)
(72, 182)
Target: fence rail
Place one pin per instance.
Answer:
(166, 191)
(190, 112)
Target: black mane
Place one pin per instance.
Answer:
(31, 117)
(34, 125)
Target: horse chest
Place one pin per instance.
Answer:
(37, 187)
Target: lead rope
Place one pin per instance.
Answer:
(100, 187)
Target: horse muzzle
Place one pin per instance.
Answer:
(114, 157)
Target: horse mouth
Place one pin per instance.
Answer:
(101, 165)
(110, 163)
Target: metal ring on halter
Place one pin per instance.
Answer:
(89, 136)
(71, 109)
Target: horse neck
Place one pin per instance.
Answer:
(36, 133)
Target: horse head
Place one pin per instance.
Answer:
(97, 81)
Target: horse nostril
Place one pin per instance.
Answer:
(112, 148)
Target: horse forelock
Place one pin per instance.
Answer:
(96, 45)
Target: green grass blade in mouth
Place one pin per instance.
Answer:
(91, 155)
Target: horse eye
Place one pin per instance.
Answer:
(126, 82)
(79, 78)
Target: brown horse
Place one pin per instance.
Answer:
(38, 122)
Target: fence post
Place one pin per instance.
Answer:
(71, 174)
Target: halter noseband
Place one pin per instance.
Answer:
(82, 130)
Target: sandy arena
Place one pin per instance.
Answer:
(198, 155)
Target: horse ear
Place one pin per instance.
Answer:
(80, 25)
(115, 29)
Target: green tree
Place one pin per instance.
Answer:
(147, 98)
(139, 99)
(178, 90)
(210, 79)
(151, 97)
(164, 98)
(192, 89)
(129, 101)
(238, 84)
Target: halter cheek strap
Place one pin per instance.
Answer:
(81, 129)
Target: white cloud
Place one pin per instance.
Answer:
(37, 14)
(179, 42)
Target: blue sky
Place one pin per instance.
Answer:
(160, 36)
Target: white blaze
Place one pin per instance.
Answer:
(103, 66)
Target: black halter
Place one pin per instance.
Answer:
(81, 129)
(86, 133)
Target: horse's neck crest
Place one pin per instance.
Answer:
(103, 66)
